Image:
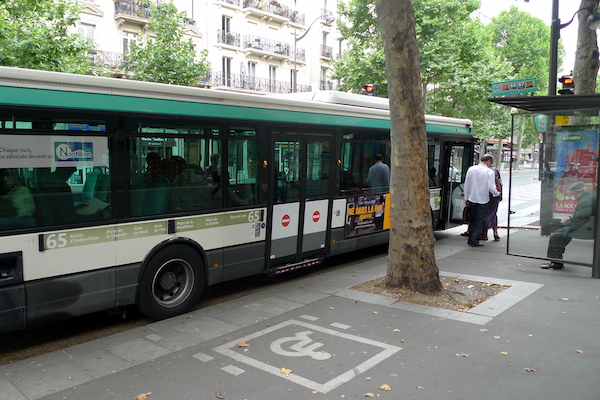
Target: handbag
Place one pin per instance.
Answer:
(465, 216)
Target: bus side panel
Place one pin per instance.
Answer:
(127, 284)
(68, 296)
(12, 306)
(285, 225)
(244, 260)
(373, 239)
(315, 225)
(341, 245)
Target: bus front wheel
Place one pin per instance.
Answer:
(172, 283)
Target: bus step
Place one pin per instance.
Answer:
(292, 267)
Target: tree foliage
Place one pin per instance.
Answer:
(38, 35)
(167, 57)
(458, 63)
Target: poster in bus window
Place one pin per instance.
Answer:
(365, 214)
(576, 161)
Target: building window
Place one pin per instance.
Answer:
(252, 84)
(272, 78)
(87, 31)
(128, 38)
(226, 71)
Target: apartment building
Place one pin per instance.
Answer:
(265, 46)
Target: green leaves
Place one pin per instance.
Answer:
(37, 35)
(168, 57)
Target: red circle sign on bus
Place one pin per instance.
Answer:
(316, 216)
(285, 220)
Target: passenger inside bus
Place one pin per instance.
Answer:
(16, 202)
(58, 196)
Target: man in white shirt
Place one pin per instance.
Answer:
(479, 183)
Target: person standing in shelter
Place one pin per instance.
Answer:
(479, 183)
(490, 220)
(378, 178)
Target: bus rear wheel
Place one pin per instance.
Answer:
(172, 283)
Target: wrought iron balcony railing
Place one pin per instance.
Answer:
(266, 45)
(238, 81)
(229, 38)
(106, 59)
(326, 51)
(133, 8)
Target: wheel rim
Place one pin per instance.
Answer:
(173, 283)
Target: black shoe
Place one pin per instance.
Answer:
(465, 233)
(512, 212)
(476, 244)
(552, 265)
(496, 238)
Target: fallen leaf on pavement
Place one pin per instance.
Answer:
(529, 369)
(285, 371)
(483, 330)
(369, 395)
(368, 378)
(496, 337)
(315, 391)
(243, 344)
(421, 387)
(142, 396)
(375, 312)
(396, 330)
(387, 388)
(504, 353)
(219, 395)
(565, 299)
(579, 351)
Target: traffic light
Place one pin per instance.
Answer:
(568, 85)
(370, 89)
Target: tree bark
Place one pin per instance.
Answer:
(586, 56)
(411, 259)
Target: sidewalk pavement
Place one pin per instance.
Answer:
(539, 339)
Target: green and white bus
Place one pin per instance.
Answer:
(118, 192)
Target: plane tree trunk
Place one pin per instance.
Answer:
(411, 259)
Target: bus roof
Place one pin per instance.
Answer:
(355, 109)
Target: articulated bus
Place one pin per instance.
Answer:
(118, 192)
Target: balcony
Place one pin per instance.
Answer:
(106, 59)
(134, 11)
(326, 51)
(228, 38)
(267, 48)
(272, 11)
(229, 3)
(245, 82)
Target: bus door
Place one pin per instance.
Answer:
(458, 157)
(301, 175)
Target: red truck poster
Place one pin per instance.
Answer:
(576, 161)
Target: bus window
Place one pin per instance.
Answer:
(371, 150)
(72, 185)
(287, 161)
(243, 172)
(318, 169)
(433, 164)
(350, 169)
(167, 175)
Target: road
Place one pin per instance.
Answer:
(524, 198)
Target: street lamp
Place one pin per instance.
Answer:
(593, 23)
(328, 20)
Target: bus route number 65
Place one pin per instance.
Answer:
(255, 216)
(55, 240)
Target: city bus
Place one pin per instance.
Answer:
(118, 192)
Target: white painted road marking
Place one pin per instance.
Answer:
(387, 350)
(300, 349)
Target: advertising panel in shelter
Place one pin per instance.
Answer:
(576, 161)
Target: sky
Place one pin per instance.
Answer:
(543, 9)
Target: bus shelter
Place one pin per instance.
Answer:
(568, 127)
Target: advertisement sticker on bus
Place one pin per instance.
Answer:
(37, 151)
(366, 214)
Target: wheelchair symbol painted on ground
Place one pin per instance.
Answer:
(297, 342)
(301, 349)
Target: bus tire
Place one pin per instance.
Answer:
(172, 283)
